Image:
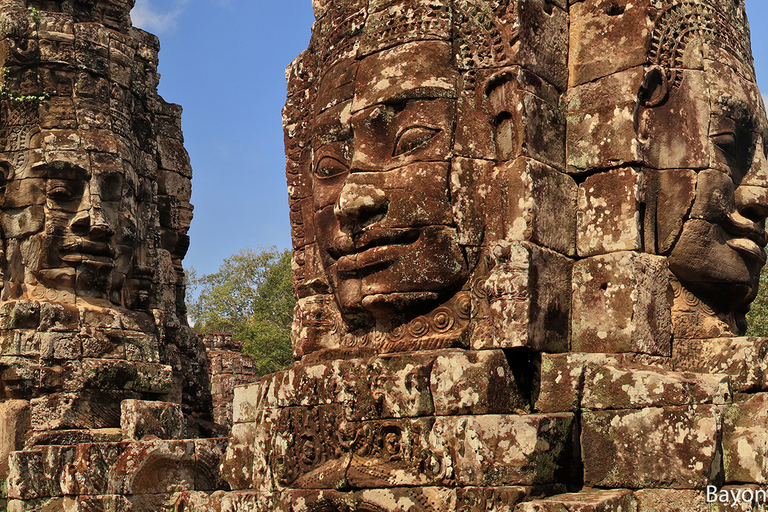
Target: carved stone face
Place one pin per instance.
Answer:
(383, 215)
(88, 239)
(712, 127)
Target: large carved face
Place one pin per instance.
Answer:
(383, 217)
(90, 230)
(82, 240)
(708, 140)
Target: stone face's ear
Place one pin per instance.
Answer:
(655, 88)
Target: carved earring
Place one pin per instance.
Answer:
(653, 92)
(655, 88)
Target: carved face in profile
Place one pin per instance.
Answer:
(706, 133)
(380, 168)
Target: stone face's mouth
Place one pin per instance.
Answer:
(80, 250)
(748, 248)
(378, 247)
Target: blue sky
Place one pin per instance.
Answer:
(224, 62)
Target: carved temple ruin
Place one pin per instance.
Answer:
(526, 234)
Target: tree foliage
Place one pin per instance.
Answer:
(250, 297)
(758, 313)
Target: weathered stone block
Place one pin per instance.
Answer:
(588, 500)
(435, 499)
(391, 453)
(608, 216)
(611, 387)
(140, 418)
(36, 473)
(499, 450)
(86, 409)
(675, 134)
(496, 499)
(15, 424)
(464, 382)
(529, 296)
(671, 500)
(535, 203)
(560, 382)
(600, 117)
(745, 441)
(540, 40)
(674, 447)
(248, 401)
(744, 360)
(607, 38)
(310, 447)
(402, 386)
(620, 304)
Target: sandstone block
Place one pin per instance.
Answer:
(402, 386)
(560, 383)
(497, 499)
(671, 447)
(669, 140)
(608, 216)
(671, 500)
(82, 410)
(14, 428)
(541, 43)
(612, 387)
(620, 304)
(307, 447)
(435, 499)
(502, 450)
(600, 118)
(465, 382)
(139, 419)
(745, 441)
(392, 453)
(537, 204)
(587, 500)
(529, 300)
(248, 400)
(36, 473)
(744, 360)
(607, 38)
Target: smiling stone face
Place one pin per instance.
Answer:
(383, 217)
(702, 134)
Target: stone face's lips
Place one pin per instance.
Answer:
(376, 247)
(748, 248)
(86, 251)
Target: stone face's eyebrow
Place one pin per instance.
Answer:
(66, 171)
(740, 111)
(421, 70)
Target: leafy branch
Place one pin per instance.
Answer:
(5, 92)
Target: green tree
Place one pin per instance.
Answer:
(250, 297)
(758, 313)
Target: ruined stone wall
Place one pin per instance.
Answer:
(227, 368)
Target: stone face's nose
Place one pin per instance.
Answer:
(361, 204)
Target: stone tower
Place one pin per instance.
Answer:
(93, 227)
(526, 234)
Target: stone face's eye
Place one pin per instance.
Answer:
(726, 142)
(60, 190)
(412, 138)
(329, 167)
